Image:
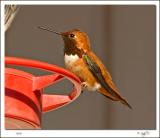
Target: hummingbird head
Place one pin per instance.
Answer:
(73, 39)
(76, 38)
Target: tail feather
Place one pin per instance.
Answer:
(114, 98)
(123, 101)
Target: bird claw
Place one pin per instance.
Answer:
(84, 84)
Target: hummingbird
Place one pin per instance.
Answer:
(81, 61)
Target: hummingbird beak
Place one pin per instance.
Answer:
(50, 30)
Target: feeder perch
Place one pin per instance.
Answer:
(25, 99)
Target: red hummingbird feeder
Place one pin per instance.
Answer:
(25, 99)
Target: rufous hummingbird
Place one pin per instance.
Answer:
(80, 60)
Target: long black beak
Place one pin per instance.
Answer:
(48, 29)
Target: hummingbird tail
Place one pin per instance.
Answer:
(123, 101)
(114, 98)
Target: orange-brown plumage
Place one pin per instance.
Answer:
(80, 60)
(108, 80)
(81, 42)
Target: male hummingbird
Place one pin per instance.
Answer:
(80, 60)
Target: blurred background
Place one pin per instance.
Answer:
(124, 37)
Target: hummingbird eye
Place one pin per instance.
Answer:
(72, 35)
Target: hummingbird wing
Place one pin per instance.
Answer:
(103, 77)
(96, 71)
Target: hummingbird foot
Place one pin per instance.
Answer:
(84, 85)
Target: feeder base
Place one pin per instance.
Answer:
(13, 123)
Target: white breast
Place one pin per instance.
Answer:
(69, 59)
